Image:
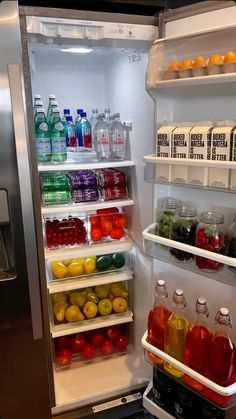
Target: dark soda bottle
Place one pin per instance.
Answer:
(185, 404)
(222, 357)
(158, 318)
(197, 345)
(163, 390)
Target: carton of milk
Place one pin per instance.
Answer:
(163, 149)
(221, 150)
(200, 149)
(233, 158)
(180, 150)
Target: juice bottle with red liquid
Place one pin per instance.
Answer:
(197, 345)
(222, 357)
(158, 318)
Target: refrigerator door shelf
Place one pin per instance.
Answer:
(223, 391)
(189, 162)
(90, 281)
(85, 206)
(152, 407)
(95, 249)
(96, 323)
(83, 166)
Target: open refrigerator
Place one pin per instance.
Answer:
(122, 73)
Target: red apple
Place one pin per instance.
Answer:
(107, 347)
(88, 351)
(96, 338)
(113, 332)
(62, 342)
(77, 342)
(63, 357)
(122, 343)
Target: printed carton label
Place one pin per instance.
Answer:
(180, 146)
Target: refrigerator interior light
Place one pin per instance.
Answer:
(80, 50)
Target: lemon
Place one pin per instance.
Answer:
(92, 257)
(79, 260)
(59, 270)
(75, 269)
(67, 262)
(89, 266)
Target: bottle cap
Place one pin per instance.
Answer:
(224, 311)
(56, 110)
(201, 306)
(39, 103)
(161, 282)
(179, 292)
(52, 97)
(179, 299)
(107, 110)
(79, 111)
(66, 111)
(37, 96)
(69, 118)
(54, 103)
(83, 114)
(95, 110)
(212, 217)
(223, 317)
(201, 300)
(40, 110)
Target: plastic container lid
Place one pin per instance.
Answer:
(66, 111)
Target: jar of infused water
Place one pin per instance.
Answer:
(183, 230)
(165, 213)
(231, 242)
(210, 236)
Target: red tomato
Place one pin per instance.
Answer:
(62, 342)
(115, 220)
(104, 232)
(94, 220)
(117, 233)
(107, 347)
(122, 343)
(96, 338)
(63, 357)
(106, 223)
(96, 233)
(122, 221)
(77, 342)
(88, 351)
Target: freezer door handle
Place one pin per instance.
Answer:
(22, 154)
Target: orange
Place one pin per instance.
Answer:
(199, 61)
(230, 57)
(187, 63)
(173, 66)
(215, 59)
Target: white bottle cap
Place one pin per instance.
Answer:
(179, 292)
(161, 282)
(55, 110)
(37, 96)
(224, 311)
(52, 96)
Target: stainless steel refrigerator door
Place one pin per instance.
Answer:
(24, 389)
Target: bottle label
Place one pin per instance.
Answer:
(59, 126)
(43, 126)
(70, 137)
(103, 142)
(43, 146)
(117, 143)
(59, 145)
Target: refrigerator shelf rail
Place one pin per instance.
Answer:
(192, 81)
(89, 250)
(85, 206)
(152, 407)
(91, 324)
(223, 391)
(83, 166)
(93, 280)
(151, 158)
(226, 260)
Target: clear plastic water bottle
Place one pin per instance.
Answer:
(117, 139)
(70, 134)
(78, 127)
(107, 112)
(51, 97)
(93, 121)
(58, 139)
(66, 112)
(42, 136)
(102, 144)
(86, 134)
(38, 104)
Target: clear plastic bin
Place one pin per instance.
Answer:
(63, 232)
(108, 225)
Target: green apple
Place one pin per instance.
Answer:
(105, 307)
(119, 304)
(90, 309)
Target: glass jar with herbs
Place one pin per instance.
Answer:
(183, 230)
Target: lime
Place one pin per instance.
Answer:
(118, 260)
(104, 262)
